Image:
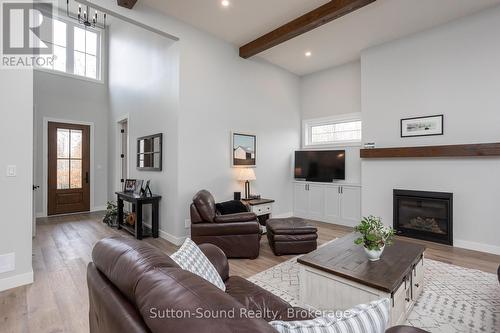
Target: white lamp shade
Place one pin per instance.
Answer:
(246, 174)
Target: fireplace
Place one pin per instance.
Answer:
(424, 215)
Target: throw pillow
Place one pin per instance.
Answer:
(190, 258)
(231, 207)
(364, 318)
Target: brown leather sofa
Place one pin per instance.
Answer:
(135, 288)
(238, 235)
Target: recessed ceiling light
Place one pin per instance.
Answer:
(308, 54)
(225, 3)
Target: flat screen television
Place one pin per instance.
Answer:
(320, 165)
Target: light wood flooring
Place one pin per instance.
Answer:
(57, 301)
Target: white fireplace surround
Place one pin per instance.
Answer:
(447, 70)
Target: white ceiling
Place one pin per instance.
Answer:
(333, 44)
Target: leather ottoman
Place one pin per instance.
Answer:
(291, 236)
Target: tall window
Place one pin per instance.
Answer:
(340, 130)
(85, 54)
(77, 49)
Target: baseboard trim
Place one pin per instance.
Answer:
(171, 238)
(98, 208)
(476, 246)
(16, 281)
(282, 215)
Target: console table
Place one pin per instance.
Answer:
(340, 276)
(137, 201)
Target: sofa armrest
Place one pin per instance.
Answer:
(225, 229)
(405, 329)
(217, 258)
(239, 217)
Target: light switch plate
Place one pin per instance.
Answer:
(11, 171)
(7, 262)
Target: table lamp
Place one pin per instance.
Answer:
(246, 175)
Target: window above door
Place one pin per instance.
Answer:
(78, 50)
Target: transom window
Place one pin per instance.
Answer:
(340, 130)
(77, 49)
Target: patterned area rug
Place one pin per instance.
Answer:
(455, 299)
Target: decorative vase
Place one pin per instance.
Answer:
(374, 255)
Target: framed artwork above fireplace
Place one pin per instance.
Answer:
(422, 126)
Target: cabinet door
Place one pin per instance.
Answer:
(332, 204)
(350, 205)
(316, 201)
(300, 200)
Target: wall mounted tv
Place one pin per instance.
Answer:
(320, 165)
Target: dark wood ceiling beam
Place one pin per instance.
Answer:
(127, 3)
(307, 22)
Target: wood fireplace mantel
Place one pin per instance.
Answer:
(469, 150)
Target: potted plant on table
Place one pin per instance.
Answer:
(374, 236)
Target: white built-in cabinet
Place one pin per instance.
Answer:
(328, 202)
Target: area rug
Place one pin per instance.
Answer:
(455, 299)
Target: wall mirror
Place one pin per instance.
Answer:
(149, 152)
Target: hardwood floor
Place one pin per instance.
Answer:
(57, 301)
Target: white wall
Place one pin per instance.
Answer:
(453, 70)
(72, 100)
(220, 92)
(16, 145)
(333, 92)
(143, 86)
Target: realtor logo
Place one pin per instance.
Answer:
(23, 25)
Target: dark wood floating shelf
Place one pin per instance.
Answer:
(473, 150)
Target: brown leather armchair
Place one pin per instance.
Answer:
(238, 235)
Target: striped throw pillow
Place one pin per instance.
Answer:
(192, 259)
(363, 318)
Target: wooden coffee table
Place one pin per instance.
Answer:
(339, 276)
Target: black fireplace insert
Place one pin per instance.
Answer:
(424, 215)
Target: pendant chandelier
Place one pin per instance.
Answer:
(87, 16)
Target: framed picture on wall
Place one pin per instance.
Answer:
(243, 150)
(422, 126)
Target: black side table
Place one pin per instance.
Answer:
(139, 230)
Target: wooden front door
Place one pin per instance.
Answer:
(68, 168)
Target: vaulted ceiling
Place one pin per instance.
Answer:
(332, 44)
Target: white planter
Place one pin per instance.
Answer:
(374, 255)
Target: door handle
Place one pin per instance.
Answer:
(87, 177)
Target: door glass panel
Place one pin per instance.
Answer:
(62, 143)
(76, 174)
(62, 174)
(76, 144)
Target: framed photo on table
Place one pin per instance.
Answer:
(129, 186)
(422, 126)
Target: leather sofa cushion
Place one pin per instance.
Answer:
(290, 226)
(205, 204)
(123, 261)
(256, 298)
(185, 296)
(221, 229)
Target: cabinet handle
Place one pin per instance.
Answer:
(417, 285)
(407, 299)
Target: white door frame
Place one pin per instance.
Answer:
(44, 186)
(118, 144)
